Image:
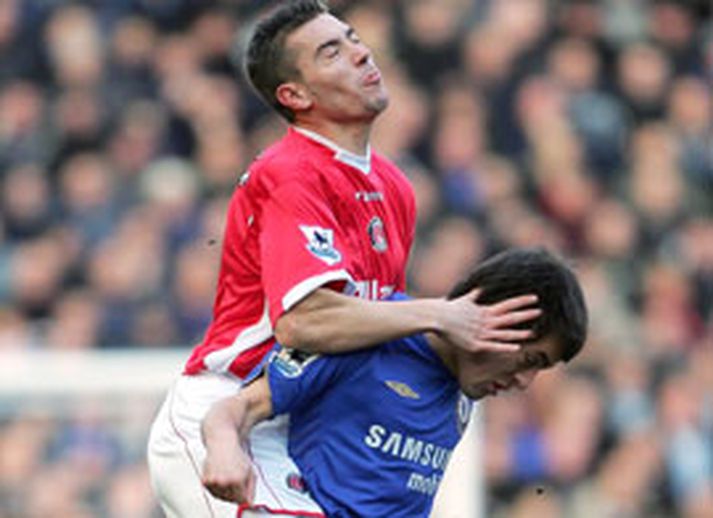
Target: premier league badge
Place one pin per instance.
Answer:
(291, 362)
(320, 242)
(377, 234)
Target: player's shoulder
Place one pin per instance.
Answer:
(291, 365)
(416, 344)
(385, 164)
(390, 171)
(284, 162)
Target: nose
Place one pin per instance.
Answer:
(524, 379)
(361, 54)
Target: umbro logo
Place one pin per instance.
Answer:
(402, 389)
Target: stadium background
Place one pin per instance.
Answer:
(583, 125)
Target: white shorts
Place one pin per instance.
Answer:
(259, 513)
(176, 455)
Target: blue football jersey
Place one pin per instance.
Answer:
(371, 431)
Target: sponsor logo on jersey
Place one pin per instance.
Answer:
(377, 234)
(320, 242)
(291, 362)
(371, 290)
(402, 389)
(421, 483)
(367, 196)
(407, 448)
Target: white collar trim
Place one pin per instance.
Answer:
(361, 162)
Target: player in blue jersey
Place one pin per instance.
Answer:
(372, 431)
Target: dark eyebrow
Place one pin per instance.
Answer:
(334, 41)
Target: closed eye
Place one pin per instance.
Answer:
(536, 360)
(328, 49)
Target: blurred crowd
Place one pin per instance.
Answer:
(582, 125)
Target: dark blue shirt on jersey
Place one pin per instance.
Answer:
(371, 431)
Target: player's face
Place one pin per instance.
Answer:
(487, 373)
(337, 71)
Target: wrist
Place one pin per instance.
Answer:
(434, 315)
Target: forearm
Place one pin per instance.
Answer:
(225, 429)
(329, 322)
(227, 470)
(229, 421)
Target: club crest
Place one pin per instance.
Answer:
(377, 234)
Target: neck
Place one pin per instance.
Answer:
(353, 137)
(443, 350)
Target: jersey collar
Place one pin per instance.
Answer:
(361, 162)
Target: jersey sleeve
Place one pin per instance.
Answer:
(301, 246)
(297, 379)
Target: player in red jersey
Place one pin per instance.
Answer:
(317, 219)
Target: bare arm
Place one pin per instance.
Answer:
(227, 471)
(329, 322)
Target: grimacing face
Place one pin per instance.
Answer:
(337, 71)
(486, 373)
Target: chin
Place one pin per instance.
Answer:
(476, 393)
(379, 104)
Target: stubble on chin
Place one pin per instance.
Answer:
(379, 105)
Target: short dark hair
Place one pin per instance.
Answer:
(267, 65)
(521, 271)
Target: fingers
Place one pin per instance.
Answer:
(231, 490)
(496, 347)
(221, 491)
(228, 493)
(514, 317)
(506, 335)
(511, 304)
(496, 333)
(473, 294)
(495, 327)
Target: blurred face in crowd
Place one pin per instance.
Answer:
(486, 373)
(338, 79)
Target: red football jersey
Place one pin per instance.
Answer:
(305, 215)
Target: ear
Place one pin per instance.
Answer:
(294, 96)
